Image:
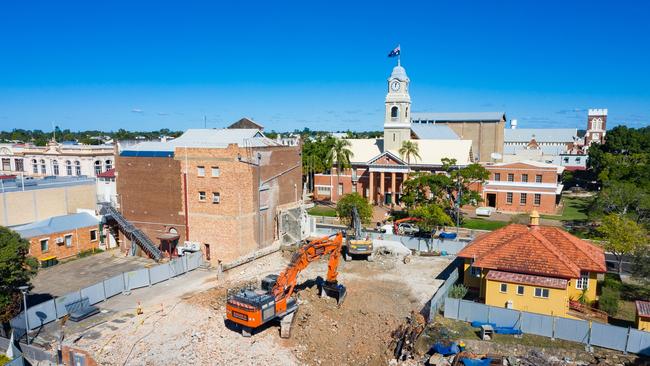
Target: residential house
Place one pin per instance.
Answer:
(643, 315)
(533, 268)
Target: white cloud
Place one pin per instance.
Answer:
(137, 110)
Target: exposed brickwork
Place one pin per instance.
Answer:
(80, 241)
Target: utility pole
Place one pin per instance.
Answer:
(458, 194)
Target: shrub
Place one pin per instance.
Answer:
(88, 252)
(458, 291)
(4, 359)
(608, 301)
(612, 283)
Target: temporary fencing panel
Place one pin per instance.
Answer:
(62, 301)
(159, 273)
(472, 311)
(176, 267)
(537, 324)
(504, 317)
(18, 361)
(194, 260)
(572, 330)
(40, 314)
(639, 342)
(608, 336)
(94, 293)
(114, 285)
(451, 308)
(18, 325)
(136, 279)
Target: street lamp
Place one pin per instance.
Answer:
(25, 290)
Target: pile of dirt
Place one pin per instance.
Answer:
(356, 333)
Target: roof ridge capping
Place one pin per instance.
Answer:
(551, 247)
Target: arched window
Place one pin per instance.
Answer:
(43, 171)
(109, 165)
(34, 166)
(77, 167)
(98, 167)
(394, 111)
(68, 167)
(55, 167)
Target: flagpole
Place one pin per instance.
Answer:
(399, 55)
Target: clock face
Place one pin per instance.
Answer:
(394, 85)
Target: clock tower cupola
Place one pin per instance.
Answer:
(397, 120)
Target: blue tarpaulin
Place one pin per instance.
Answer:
(477, 324)
(473, 362)
(451, 349)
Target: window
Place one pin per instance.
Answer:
(538, 178)
(503, 288)
(340, 190)
(93, 235)
(541, 292)
(497, 177)
(19, 165)
(216, 197)
(200, 171)
(77, 167)
(45, 245)
(98, 167)
(68, 167)
(216, 171)
(202, 196)
(524, 178)
(566, 160)
(511, 177)
(68, 240)
(354, 174)
(520, 290)
(43, 170)
(354, 188)
(522, 198)
(578, 159)
(393, 112)
(6, 164)
(109, 164)
(583, 282)
(509, 198)
(34, 166)
(474, 271)
(323, 190)
(537, 199)
(55, 167)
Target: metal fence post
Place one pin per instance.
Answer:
(627, 340)
(149, 276)
(458, 312)
(104, 289)
(553, 331)
(488, 317)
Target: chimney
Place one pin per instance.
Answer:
(534, 219)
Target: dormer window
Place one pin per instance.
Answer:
(394, 111)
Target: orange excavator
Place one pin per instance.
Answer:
(250, 309)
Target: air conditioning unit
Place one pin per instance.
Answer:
(59, 240)
(188, 247)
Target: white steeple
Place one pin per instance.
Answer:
(397, 120)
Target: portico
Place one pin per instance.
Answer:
(386, 184)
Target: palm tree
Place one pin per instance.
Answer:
(340, 155)
(409, 149)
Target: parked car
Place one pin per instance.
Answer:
(406, 228)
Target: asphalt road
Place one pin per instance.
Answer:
(612, 263)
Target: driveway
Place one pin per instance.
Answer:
(79, 273)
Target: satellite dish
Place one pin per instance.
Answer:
(496, 156)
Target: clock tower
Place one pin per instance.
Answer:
(397, 120)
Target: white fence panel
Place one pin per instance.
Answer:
(608, 336)
(537, 324)
(62, 301)
(94, 293)
(176, 267)
(136, 279)
(451, 308)
(639, 342)
(159, 273)
(472, 311)
(504, 317)
(40, 314)
(114, 285)
(572, 330)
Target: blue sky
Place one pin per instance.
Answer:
(148, 65)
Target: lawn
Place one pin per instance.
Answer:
(322, 211)
(482, 224)
(575, 209)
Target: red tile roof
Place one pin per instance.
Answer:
(540, 250)
(525, 279)
(643, 308)
(110, 173)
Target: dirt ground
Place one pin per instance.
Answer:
(192, 329)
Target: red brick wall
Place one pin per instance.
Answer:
(80, 242)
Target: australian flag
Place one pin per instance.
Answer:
(395, 52)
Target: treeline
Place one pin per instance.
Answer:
(90, 137)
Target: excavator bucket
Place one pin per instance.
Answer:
(334, 290)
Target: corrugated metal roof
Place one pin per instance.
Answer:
(425, 131)
(459, 117)
(204, 137)
(56, 224)
(540, 134)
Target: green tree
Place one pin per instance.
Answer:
(347, 202)
(621, 236)
(16, 269)
(339, 155)
(408, 150)
(431, 216)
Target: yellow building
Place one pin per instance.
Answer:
(643, 315)
(533, 268)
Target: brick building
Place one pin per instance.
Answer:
(226, 189)
(523, 186)
(61, 237)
